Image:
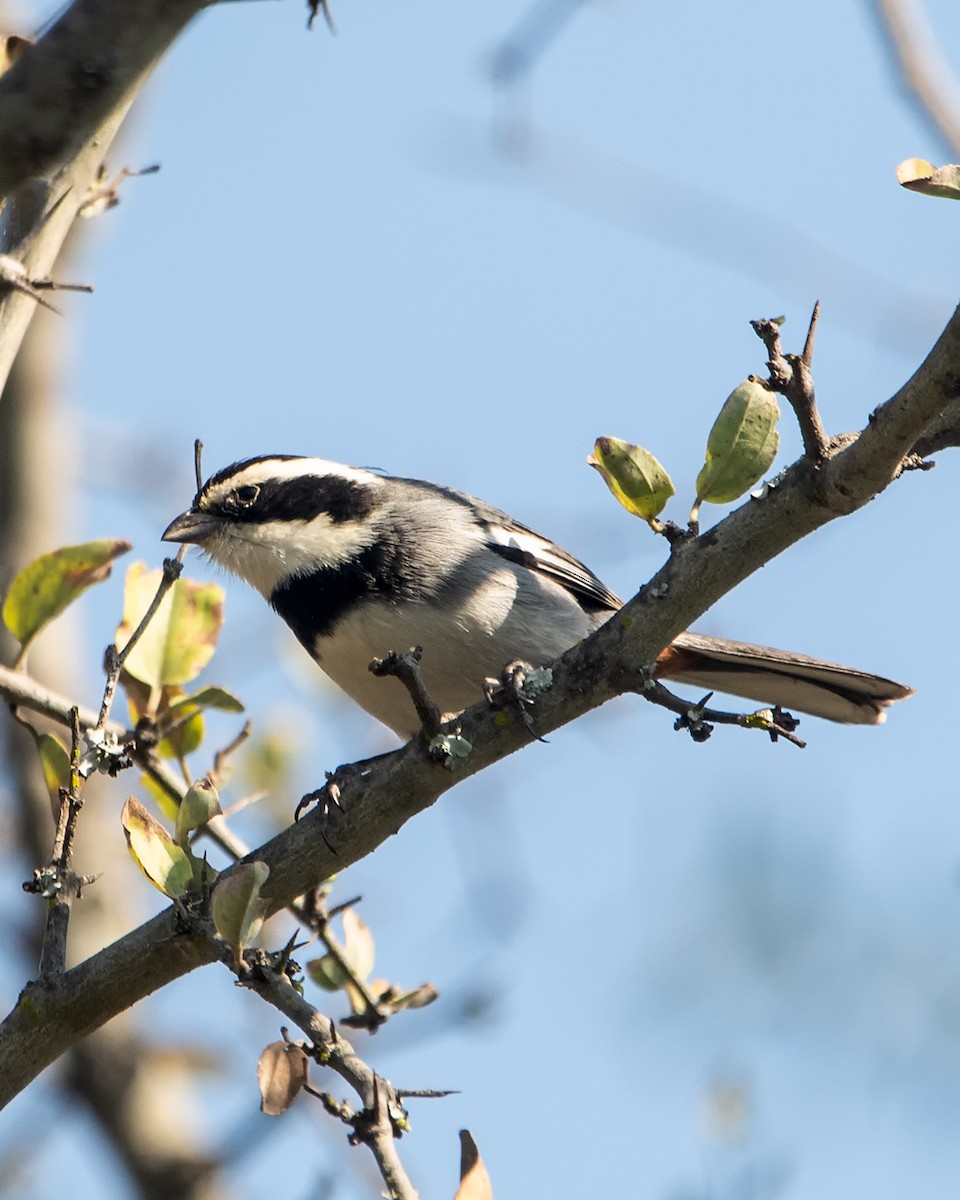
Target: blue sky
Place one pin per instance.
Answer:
(341, 257)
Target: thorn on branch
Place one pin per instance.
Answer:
(218, 774)
(426, 1093)
(15, 277)
(792, 377)
(699, 720)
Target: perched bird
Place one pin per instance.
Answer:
(359, 564)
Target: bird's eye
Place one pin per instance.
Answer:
(247, 495)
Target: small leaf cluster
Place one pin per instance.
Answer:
(741, 447)
(170, 652)
(166, 860)
(175, 647)
(237, 907)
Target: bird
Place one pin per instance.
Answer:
(359, 564)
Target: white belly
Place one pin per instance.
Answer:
(520, 616)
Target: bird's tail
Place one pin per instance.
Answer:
(794, 681)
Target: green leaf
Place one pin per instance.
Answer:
(180, 640)
(917, 175)
(182, 715)
(742, 444)
(198, 806)
(168, 867)
(183, 740)
(327, 973)
(212, 697)
(236, 906)
(42, 590)
(634, 476)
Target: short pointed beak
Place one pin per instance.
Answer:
(192, 526)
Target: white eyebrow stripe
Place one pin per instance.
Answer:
(293, 468)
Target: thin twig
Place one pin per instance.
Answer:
(698, 719)
(115, 659)
(221, 756)
(197, 468)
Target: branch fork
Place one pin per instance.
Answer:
(792, 377)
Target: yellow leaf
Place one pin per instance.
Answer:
(55, 761)
(180, 640)
(161, 797)
(917, 175)
(634, 476)
(165, 864)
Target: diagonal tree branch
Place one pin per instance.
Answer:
(376, 803)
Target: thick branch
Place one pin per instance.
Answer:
(89, 64)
